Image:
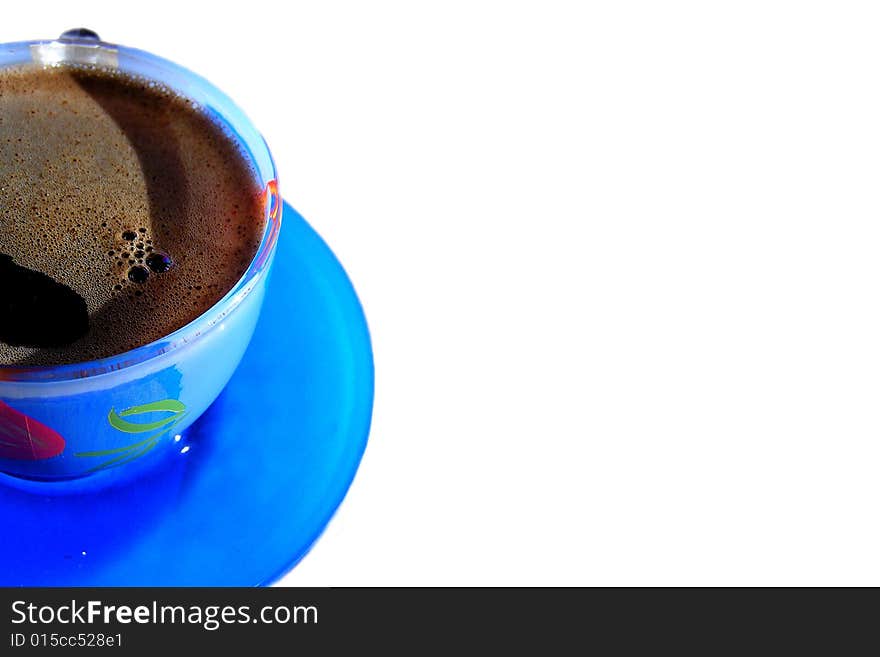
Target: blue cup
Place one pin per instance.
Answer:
(107, 419)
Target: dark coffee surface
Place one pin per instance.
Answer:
(120, 195)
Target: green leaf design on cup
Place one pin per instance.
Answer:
(172, 405)
(137, 449)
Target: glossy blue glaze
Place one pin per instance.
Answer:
(255, 479)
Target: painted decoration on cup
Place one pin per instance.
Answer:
(22, 438)
(156, 429)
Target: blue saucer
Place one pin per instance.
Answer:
(258, 476)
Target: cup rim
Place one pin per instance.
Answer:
(258, 268)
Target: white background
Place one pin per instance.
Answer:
(620, 263)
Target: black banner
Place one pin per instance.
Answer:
(415, 620)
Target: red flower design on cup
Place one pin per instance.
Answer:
(25, 439)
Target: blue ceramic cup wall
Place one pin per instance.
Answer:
(104, 420)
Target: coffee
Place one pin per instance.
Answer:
(126, 212)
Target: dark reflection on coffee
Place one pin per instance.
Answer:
(127, 195)
(36, 310)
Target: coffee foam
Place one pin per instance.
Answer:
(102, 175)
